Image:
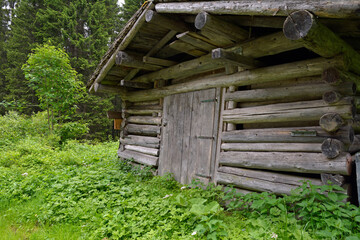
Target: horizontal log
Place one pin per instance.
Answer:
(253, 76)
(321, 8)
(132, 60)
(144, 120)
(204, 21)
(150, 142)
(139, 157)
(158, 61)
(275, 177)
(271, 44)
(286, 112)
(288, 162)
(165, 22)
(132, 84)
(295, 93)
(153, 102)
(101, 88)
(147, 130)
(144, 109)
(287, 135)
(181, 47)
(304, 27)
(233, 58)
(272, 147)
(144, 150)
(261, 181)
(187, 37)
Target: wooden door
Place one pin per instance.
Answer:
(189, 135)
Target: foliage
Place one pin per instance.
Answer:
(84, 29)
(72, 130)
(54, 81)
(311, 212)
(128, 9)
(82, 191)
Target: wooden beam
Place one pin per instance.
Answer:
(158, 61)
(160, 44)
(260, 75)
(100, 88)
(272, 147)
(165, 22)
(184, 47)
(303, 26)
(139, 157)
(146, 130)
(234, 58)
(200, 44)
(271, 44)
(205, 21)
(288, 162)
(124, 83)
(287, 135)
(132, 60)
(293, 93)
(261, 181)
(151, 142)
(144, 120)
(322, 8)
(288, 112)
(144, 150)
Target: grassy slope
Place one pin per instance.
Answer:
(81, 191)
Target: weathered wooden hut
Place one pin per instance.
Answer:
(255, 93)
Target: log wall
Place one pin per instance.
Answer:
(286, 132)
(140, 134)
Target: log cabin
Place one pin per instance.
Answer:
(260, 95)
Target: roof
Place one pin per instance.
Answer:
(161, 35)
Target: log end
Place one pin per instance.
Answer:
(331, 122)
(331, 76)
(149, 15)
(331, 97)
(332, 148)
(298, 24)
(200, 20)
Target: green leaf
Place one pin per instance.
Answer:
(332, 196)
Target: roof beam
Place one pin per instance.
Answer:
(259, 75)
(302, 26)
(321, 8)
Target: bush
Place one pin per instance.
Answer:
(71, 130)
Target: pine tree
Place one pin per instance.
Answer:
(128, 9)
(21, 41)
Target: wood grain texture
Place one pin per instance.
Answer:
(144, 141)
(321, 8)
(288, 162)
(139, 157)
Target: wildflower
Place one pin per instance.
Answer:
(194, 233)
(183, 187)
(166, 196)
(274, 235)
(24, 174)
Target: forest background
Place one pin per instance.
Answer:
(84, 29)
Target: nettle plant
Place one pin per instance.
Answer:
(321, 210)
